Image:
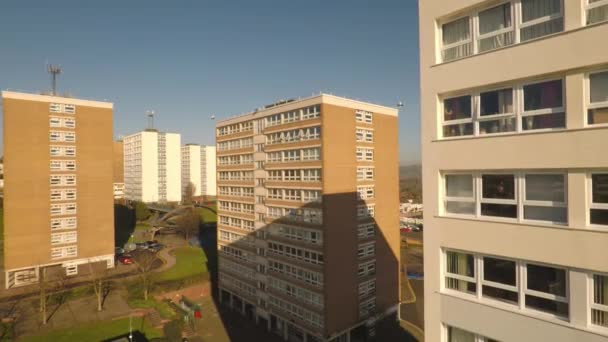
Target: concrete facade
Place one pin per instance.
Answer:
(307, 242)
(537, 130)
(152, 167)
(58, 206)
(198, 168)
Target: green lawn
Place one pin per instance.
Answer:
(2, 235)
(163, 308)
(207, 216)
(96, 331)
(190, 261)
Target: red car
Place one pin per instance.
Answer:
(406, 229)
(125, 259)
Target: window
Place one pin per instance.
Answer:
(56, 151)
(495, 28)
(311, 175)
(365, 173)
(69, 136)
(598, 213)
(545, 198)
(365, 192)
(311, 112)
(54, 121)
(364, 135)
(55, 180)
(273, 120)
(456, 39)
(459, 335)
(55, 136)
(500, 280)
(546, 289)
(543, 106)
(459, 198)
(599, 300)
(69, 109)
(496, 112)
(366, 269)
(55, 107)
(367, 288)
(291, 175)
(69, 123)
(291, 116)
(457, 116)
(597, 112)
(291, 155)
(541, 288)
(540, 18)
(460, 272)
(366, 230)
(597, 11)
(61, 238)
(311, 154)
(275, 175)
(365, 210)
(498, 195)
(363, 116)
(366, 250)
(292, 195)
(365, 154)
(367, 307)
(56, 195)
(311, 196)
(275, 157)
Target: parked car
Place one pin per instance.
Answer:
(141, 245)
(125, 259)
(119, 250)
(406, 229)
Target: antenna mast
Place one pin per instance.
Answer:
(150, 115)
(54, 70)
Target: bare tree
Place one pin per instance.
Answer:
(145, 262)
(43, 285)
(189, 222)
(189, 192)
(99, 277)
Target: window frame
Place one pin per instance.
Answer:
(479, 36)
(593, 105)
(471, 39)
(590, 6)
(591, 301)
(592, 205)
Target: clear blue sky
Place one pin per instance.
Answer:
(190, 59)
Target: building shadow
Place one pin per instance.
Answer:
(320, 271)
(124, 224)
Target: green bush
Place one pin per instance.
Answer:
(141, 211)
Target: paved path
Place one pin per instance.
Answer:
(168, 259)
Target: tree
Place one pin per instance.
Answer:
(43, 285)
(99, 275)
(141, 211)
(145, 263)
(189, 222)
(189, 191)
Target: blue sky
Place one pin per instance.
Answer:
(188, 60)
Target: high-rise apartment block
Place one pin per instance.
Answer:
(153, 166)
(515, 170)
(198, 168)
(58, 201)
(308, 220)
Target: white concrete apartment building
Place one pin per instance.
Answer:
(198, 168)
(514, 103)
(152, 167)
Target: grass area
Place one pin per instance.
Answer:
(142, 226)
(96, 331)
(190, 261)
(2, 235)
(207, 216)
(163, 308)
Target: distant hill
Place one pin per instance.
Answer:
(410, 183)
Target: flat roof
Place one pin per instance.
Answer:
(55, 99)
(308, 101)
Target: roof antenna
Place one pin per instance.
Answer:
(150, 115)
(54, 70)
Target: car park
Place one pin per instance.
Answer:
(125, 259)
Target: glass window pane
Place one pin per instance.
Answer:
(551, 214)
(599, 185)
(497, 126)
(600, 289)
(500, 294)
(455, 207)
(547, 305)
(543, 95)
(555, 120)
(599, 216)
(599, 87)
(496, 102)
(499, 210)
(534, 9)
(545, 188)
(546, 279)
(459, 185)
(597, 116)
(457, 108)
(459, 335)
(499, 271)
(456, 31)
(498, 186)
(458, 130)
(495, 19)
(597, 14)
(542, 29)
(460, 263)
